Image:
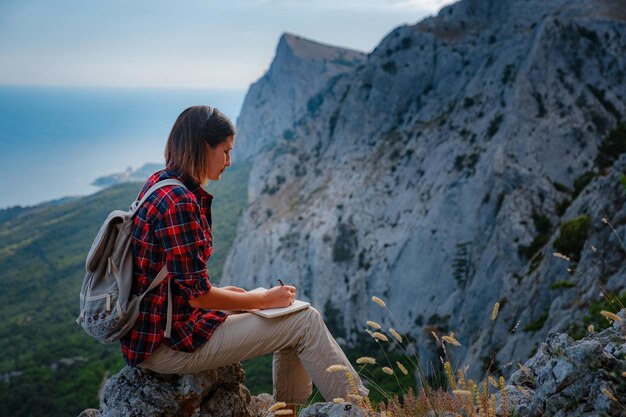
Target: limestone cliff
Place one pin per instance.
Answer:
(300, 69)
(439, 173)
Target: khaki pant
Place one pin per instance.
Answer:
(302, 345)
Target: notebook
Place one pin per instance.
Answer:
(270, 313)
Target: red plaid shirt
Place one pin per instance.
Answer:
(173, 226)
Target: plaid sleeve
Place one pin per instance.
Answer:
(186, 245)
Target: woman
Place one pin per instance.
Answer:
(173, 228)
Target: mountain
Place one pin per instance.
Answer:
(51, 367)
(130, 175)
(443, 171)
(299, 71)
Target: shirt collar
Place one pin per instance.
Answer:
(192, 186)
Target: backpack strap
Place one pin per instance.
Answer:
(155, 282)
(163, 272)
(135, 206)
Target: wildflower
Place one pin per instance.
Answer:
(378, 301)
(336, 368)
(380, 336)
(491, 409)
(434, 335)
(591, 328)
(492, 381)
(450, 339)
(387, 370)
(461, 378)
(494, 313)
(462, 392)
(366, 359)
(352, 382)
(402, 368)
(396, 335)
(373, 324)
(610, 316)
(605, 220)
(608, 394)
(561, 256)
(504, 396)
(448, 369)
(338, 400)
(594, 249)
(277, 406)
(283, 412)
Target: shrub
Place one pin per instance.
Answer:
(561, 284)
(612, 147)
(581, 182)
(537, 324)
(529, 251)
(562, 206)
(543, 226)
(573, 234)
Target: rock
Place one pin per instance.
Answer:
(259, 405)
(90, 412)
(571, 378)
(140, 392)
(335, 410)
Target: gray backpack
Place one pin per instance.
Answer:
(108, 310)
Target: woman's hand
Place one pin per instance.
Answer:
(280, 296)
(234, 289)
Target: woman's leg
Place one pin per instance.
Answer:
(242, 336)
(291, 380)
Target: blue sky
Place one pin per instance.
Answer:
(191, 43)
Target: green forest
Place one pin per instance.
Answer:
(50, 367)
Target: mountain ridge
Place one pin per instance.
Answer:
(298, 71)
(428, 175)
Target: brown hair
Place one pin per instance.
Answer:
(196, 128)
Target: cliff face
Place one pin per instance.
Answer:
(301, 68)
(439, 172)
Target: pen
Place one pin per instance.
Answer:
(281, 283)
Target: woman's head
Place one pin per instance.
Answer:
(199, 144)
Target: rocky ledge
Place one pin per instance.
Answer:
(573, 378)
(135, 392)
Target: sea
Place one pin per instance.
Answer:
(55, 141)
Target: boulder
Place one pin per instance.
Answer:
(572, 378)
(334, 410)
(135, 392)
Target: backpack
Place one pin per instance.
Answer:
(108, 310)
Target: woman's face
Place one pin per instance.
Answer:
(219, 158)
